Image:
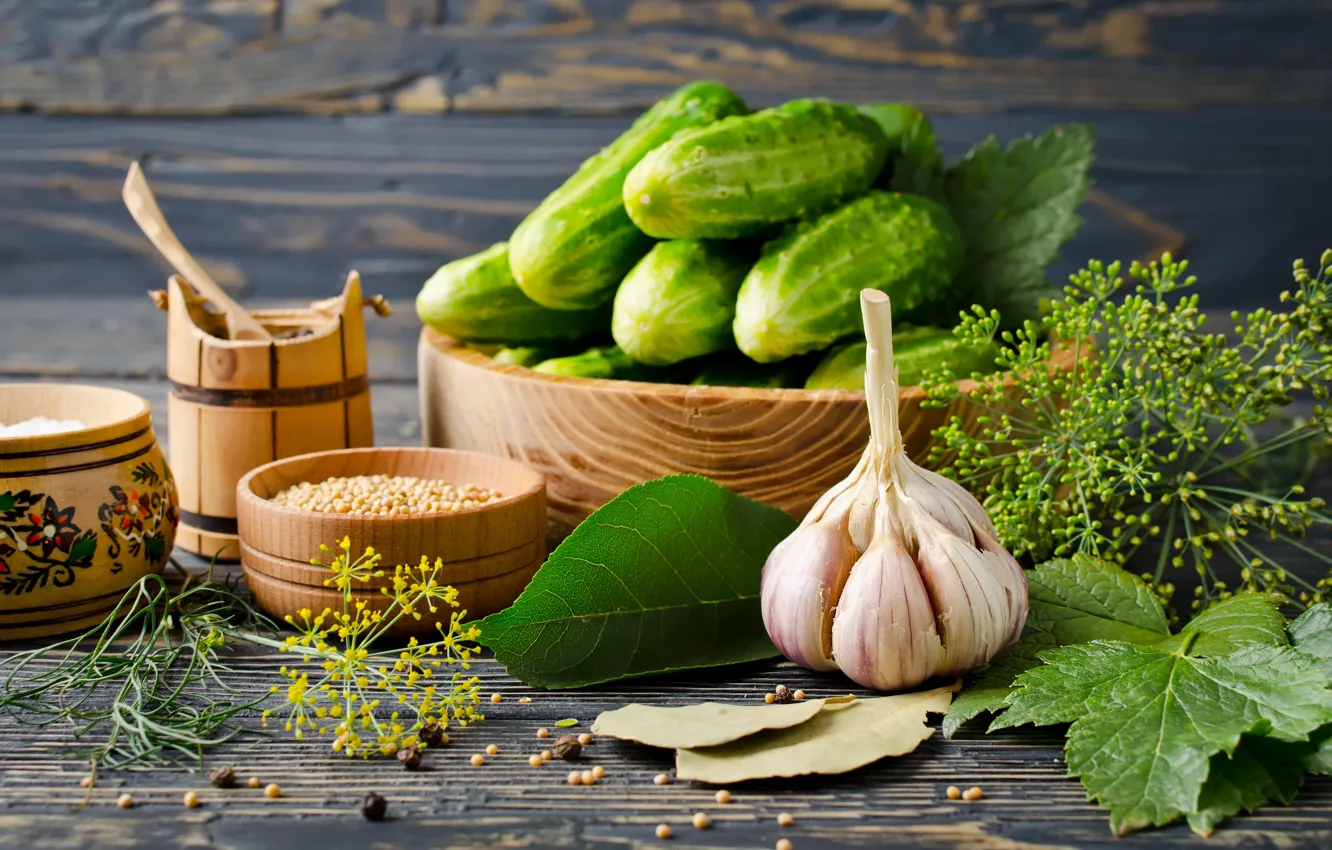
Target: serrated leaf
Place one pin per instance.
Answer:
(1319, 758)
(1231, 624)
(1147, 721)
(1016, 206)
(1311, 632)
(706, 724)
(1081, 599)
(830, 742)
(664, 577)
(1261, 770)
(989, 690)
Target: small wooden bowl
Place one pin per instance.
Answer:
(489, 553)
(593, 439)
(83, 514)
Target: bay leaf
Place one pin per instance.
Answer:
(830, 742)
(706, 724)
(663, 577)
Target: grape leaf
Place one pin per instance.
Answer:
(1319, 759)
(1261, 770)
(987, 692)
(663, 577)
(1148, 719)
(1015, 207)
(1232, 623)
(1311, 632)
(1073, 600)
(830, 742)
(705, 724)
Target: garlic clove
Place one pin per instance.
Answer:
(1009, 571)
(802, 580)
(971, 595)
(884, 634)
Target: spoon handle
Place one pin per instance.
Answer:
(138, 196)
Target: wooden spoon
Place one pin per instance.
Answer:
(143, 206)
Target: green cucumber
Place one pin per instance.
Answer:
(572, 251)
(736, 370)
(803, 294)
(916, 352)
(679, 301)
(742, 175)
(601, 362)
(524, 355)
(475, 298)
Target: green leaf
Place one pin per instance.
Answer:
(663, 577)
(1016, 207)
(83, 548)
(1311, 632)
(1231, 624)
(1147, 721)
(6, 502)
(918, 168)
(1081, 599)
(566, 723)
(989, 690)
(1261, 770)
(1319, 759)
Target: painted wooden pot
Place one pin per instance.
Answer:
(593, 439)
(83, 514)
(238, 404)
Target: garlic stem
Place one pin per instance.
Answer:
(880, 374)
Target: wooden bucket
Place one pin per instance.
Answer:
(236, 405)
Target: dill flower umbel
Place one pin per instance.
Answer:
(377, 701)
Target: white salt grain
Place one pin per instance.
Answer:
(39, 425)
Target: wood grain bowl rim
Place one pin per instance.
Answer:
(1062, 357)
(140, 418)
(245, 487)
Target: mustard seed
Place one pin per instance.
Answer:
(478, 760)
(85, 782)
(701, 820)
(599, 772)
(125, 801)
(785, 819)
(952, 792)
(783, 844)
(496, 698)
(769, 698)
(191, 800)
(575, 777)
(543, 732)
(272, 792)
(584, 739)
(663, 831)
(535, 760)
(723, 796)
(971, 794)
(587, 777)
(524, 699)
(492, 750)
(661, 779)
(799, 694)
(383, 495)
(254, 782)
(547, 755)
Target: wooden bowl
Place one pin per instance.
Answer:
(83, 514)
(489, 552)
(593, 439)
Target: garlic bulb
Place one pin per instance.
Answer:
(896, 574)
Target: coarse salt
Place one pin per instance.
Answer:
(39, 425)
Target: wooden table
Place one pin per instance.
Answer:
(291, 140)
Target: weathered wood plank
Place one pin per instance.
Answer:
(212, 57)
(282, 207)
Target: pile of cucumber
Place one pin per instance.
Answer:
(722, 247)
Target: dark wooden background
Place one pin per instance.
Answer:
(291, 140)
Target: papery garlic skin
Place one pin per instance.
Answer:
(896, 575)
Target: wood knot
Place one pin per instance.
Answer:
(221, 362)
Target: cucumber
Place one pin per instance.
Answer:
(600, 362)
(736, 370)
(803, 293)
(915, 163)
(524, 356)
(745, 174)
(475, 298)
(572, 251)
(679, 301)
(916, 352)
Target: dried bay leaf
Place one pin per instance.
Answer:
(705, 724)
(830, 742)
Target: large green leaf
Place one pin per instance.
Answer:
(1311, 632)
(988, 690)
(1261, 770)
(1148, 720)
(663, 577)
(1232, 624)
(1081, 599)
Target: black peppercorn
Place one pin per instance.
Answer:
(223, 777)
(410, 757)
(567, 747)
(374, 806)
(783, 694)
(432, 734)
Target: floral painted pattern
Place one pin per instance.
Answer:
(42, 543)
